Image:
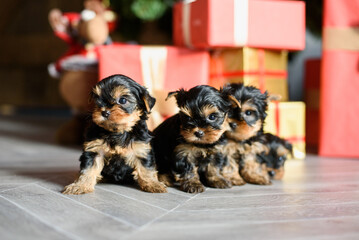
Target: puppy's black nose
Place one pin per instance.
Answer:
(233, 125)
(271, 173)
(105, 114)
(199, 133)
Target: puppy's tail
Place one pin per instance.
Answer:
(166, 178)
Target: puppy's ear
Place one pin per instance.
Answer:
(227, 93)
(172, 94)
(177, 94)
(234, 101)
(96, 91)
(149, 101)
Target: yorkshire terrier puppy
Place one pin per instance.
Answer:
(189, 145)
(117, 142)
(246, 120)
(275, 155)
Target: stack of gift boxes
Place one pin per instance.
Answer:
(218, 42)
(332, 83)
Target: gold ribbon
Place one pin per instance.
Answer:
(153, 65)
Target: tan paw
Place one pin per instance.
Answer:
(74, 188)
(166, 179)
(220, 183)
(263, 181)
(237, 181)
(192, 187)
(257, 179)
(155, 187)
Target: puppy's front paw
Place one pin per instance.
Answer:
(262, 181)
(192, 187)
(237, 181)
(155, 187)
(220, 183)
(256, 178)
(76, 189)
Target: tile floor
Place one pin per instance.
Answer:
(317, 199)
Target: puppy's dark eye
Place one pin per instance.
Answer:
(248, 112)
(212, 117)
(122, 100)
(187, 118)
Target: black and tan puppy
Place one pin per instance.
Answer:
(189, 145)
(246, 120)
(275, 155)
(117, 142)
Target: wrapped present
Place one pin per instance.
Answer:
(159, 68)
(264, 69)
(234, 23)
(156, 67)
(311, 99)
(287, 120)
(339, 93)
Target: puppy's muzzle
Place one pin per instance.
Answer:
(105, 113)
(271, 173)
(233, 125)
(199, 133)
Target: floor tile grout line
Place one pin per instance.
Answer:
(273, 194)
(137, 200)
(9, 189)
(263, 207)
(94, 209)
(179, 194)
(27, 184)
(161, 216)
(59, 230)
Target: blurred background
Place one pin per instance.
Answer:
(28, 45)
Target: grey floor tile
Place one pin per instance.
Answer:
(15, 223)
(317, 199)
(264, 214)
(135, 212)
(71, 217)
(7, 186)
(228, 230)
(269, 200)
(278, 188)
(166, 201)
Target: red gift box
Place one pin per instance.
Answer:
(231, 23)
(311, 99)
(156, 67)
(339, 100)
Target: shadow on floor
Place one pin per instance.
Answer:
(64, 177)
(34, 128)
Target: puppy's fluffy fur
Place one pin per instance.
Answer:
(277, 152)
(189, 145)
(117, 142)
(255, 151)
